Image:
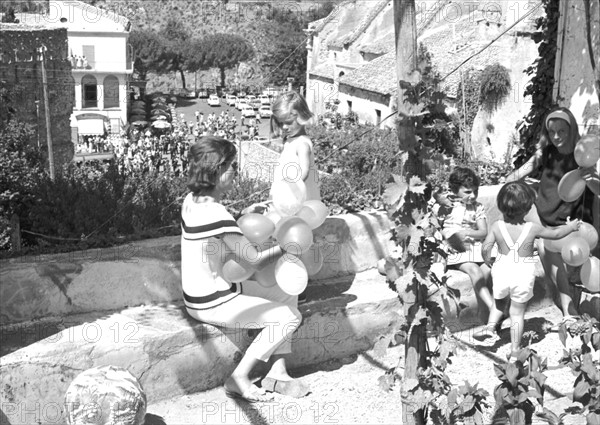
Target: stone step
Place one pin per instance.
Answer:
(172, 354)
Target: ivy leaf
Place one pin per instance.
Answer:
(386, 382)
(381, 346)
(417, 185)
(395, 192)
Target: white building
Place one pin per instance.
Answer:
(102, 63)
(351, 58)
(102, 78)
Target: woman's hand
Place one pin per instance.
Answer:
(590, 175)
(258, 208)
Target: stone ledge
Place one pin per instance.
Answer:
(148, 272)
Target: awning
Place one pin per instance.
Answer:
(90, 127)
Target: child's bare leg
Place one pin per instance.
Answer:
(517, 322)
(478, 280)
(496, 313)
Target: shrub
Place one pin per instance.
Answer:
(21, 166)
(495, 86)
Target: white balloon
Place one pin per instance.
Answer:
(291, 274)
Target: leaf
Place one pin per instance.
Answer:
(549, 417)
(593, 418)
(416, 185)
(381, 346)
(512, 372)
(395, 192)
(580, 392)
(386, 382)
(562, 334)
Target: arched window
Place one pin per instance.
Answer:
(111, 92)
(89, 89)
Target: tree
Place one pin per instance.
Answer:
(149, 53)
(286, 59)
(176, 41)
(162, 52)
(224, 51)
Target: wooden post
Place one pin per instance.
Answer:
(406, 68)
(42, 51)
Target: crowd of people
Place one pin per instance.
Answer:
(146, 149)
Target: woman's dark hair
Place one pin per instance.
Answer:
(462, 176)
(515, 200)
(206, 158)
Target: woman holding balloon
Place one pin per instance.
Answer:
(566, 190)
(216, 261)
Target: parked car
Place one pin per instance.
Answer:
(202, 93)
(190, 94)
(255, 104)
(241, 103)
(230, 100)
(248, 112)
(213, 100)
(264, 99)
(265, 111)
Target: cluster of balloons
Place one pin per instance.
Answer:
(575, 251)
(290, 225)
(587, 153)
(575, 248)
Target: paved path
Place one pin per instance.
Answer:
(346, 391)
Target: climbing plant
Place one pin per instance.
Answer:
(542, 81)
(423, 291)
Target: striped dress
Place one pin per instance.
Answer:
(203, 254)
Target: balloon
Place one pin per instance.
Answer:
(587, 232)
(571, 186)
(291, 274)
(235, 272)
(293, 235)
(312, 259)
(590, 274)
(256, 227)
(266, 275)
(274, 216)
(288, 197)
(314, 213)
(575, 252)
(587, 151)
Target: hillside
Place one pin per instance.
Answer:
(274, 29)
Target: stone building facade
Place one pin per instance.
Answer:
(20, 69)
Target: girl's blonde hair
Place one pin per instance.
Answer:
(289, 105)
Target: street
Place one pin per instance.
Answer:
(188, 107)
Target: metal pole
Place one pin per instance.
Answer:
(47, 112)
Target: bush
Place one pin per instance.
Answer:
(21, 166)
(495, 86)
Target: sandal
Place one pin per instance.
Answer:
(253, 394)
(293, 388)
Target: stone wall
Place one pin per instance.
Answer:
(20, 69)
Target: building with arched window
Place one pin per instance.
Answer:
(101, 64)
